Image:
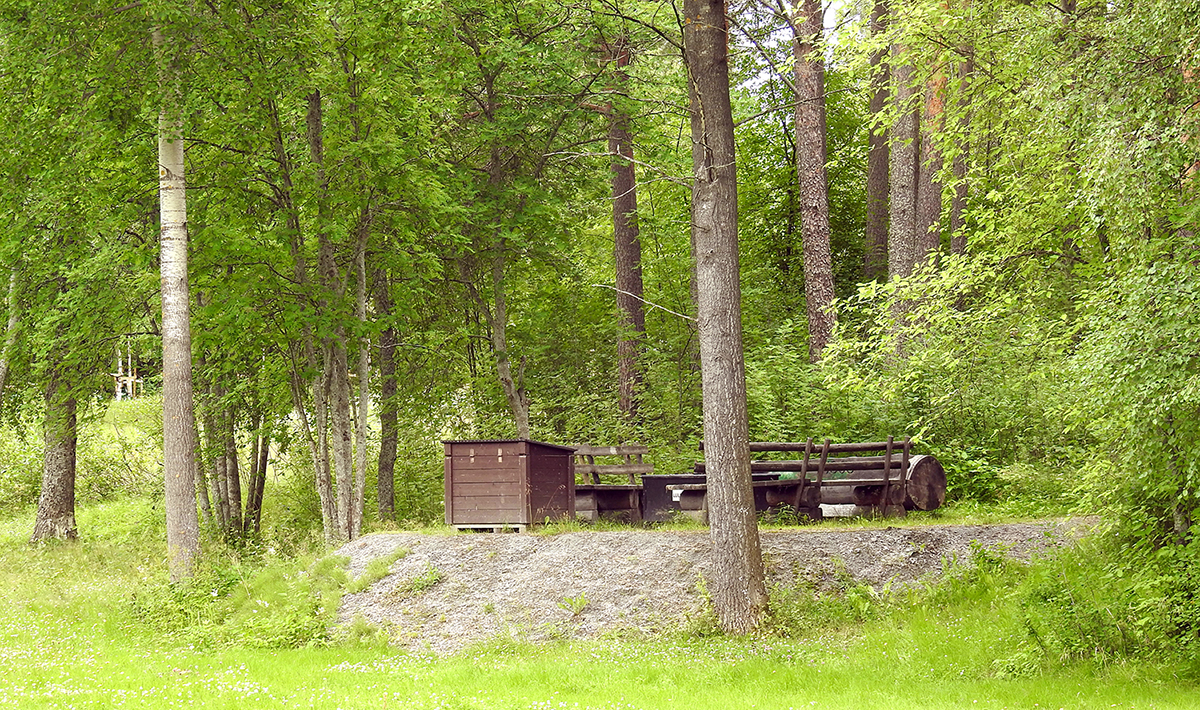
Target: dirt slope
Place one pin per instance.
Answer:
(471, 587)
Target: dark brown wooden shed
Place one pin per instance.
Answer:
(508, 483)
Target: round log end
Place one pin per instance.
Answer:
(926, 484)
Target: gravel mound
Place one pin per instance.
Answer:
(451, 591)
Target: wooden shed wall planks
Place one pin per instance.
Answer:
(508, 482)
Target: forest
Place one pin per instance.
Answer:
(378, 226)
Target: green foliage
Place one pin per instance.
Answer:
(278, 604)
(967, 360)
(799, 609)
(20, 469)
(420, 583)
(574, 604)
(376, 570)
(1137, 371)
(1110, 603)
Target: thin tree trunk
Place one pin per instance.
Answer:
(56, 504)
(364, 373)
(812, 177)
(627, 245)
(314, 435)
(10, 330)
(876, 254)
(213, 457)
(179, 425)
(259, 449)
(388, 431)
(904, 156)
(738, 591)
(336, 360)
(260, 479)
(514, 386)
(233, 476)
(958, 203)
(338, 366)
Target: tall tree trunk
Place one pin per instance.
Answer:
(905, 154)
(958, 203)
(56, 505)
(627, 245)
(233, 475)
(812, 177)
(513, 385)
(336, 359)
(738, 591)
(259, 456)
(341, 443)
(929, 186)
(876, 254)
(304, 353)
(364, 374)
(179, 425)
(312, 427)
(388, 431)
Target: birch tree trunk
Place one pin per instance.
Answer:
(812, 177)
(737, 587)
(364, 374)
(179, 425)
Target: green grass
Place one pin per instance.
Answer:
(74, 635)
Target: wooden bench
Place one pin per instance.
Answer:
(888, 482)
(596, 498)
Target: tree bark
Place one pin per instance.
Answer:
(388, 430)
(958, 203)
(56, 504)
(812, 177)
(336, 358)
(876, 253)
(738, 591)
(929, 186)
(179, 425)
(260, 452)
(364, 375)
(10, 331)
(233, 477)
(627, 245)
(514, 386)
(904, 158)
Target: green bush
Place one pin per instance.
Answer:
(272, 603)
(20, 469)
(1109, 601)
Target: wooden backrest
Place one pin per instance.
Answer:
(585, 461)
(894, 460)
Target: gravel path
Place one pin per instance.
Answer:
(452, 591)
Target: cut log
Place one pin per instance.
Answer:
(926, 488)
